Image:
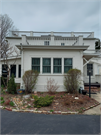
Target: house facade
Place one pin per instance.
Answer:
(53, 54)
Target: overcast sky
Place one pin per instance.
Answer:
(54, 15)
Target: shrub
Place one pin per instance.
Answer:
(51, 86)
(42, 101)
(72, 80)
(30, 79)
(11, 87)
(1, 98)
(11, 103)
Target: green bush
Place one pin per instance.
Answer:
(11, 87)
(11, 103)
(72, 80)
(42, 101)
(1, 98)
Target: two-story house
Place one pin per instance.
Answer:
(53, 54)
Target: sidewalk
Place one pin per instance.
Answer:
(96, 110)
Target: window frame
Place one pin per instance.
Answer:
(36, 65)
(57, 66)
(46, 65)
(62, 44)
(68, 65)
(46, 43)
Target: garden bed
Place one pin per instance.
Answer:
(63, 101)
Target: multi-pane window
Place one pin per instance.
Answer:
(67, 64)
(46, 65)
(19, 71)
(36, 64)
(4, 70)
(90, 67)
(46, 42)
(57, 65)
(62, 44)
(13, 70)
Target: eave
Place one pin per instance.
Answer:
(38, 47)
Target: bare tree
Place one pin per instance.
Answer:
(6, 51)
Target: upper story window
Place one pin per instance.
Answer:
(46, 65)
(67, 64)
(62, 44)
(57, 65)
(46, 42)
(36, 64)
(90, 67)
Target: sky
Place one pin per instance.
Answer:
(54, 15)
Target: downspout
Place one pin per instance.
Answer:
(21, 66)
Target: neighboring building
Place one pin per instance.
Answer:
(53, 54)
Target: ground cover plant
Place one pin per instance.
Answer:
(43, 101)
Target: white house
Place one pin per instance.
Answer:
(53, 54)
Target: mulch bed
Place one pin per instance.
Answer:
(62, 101)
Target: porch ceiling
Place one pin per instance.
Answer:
(90, 55)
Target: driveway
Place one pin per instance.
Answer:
(30, 123)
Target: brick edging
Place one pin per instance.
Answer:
(48, 112)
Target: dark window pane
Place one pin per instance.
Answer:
(68, 61)
(57, 61)
(37, 68)
(57, 69)
(67, 68)
(35, 61)
(19, 72)
(46, 69)
(13, 70)
(46, 61)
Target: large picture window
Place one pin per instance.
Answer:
(89, 67)
(36, 64)
(46, 65)
(67, 64)
(57, 65)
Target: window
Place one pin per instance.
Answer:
(89, 67)
(46, 42)
(4, 70)
(46, 65)
(62, 44)
(67, 64)
(13, 70)
(36, 64)
(19, 71)
(57, 65)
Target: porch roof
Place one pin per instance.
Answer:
(83, 48)
(90, 55)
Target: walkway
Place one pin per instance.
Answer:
(96, 110)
